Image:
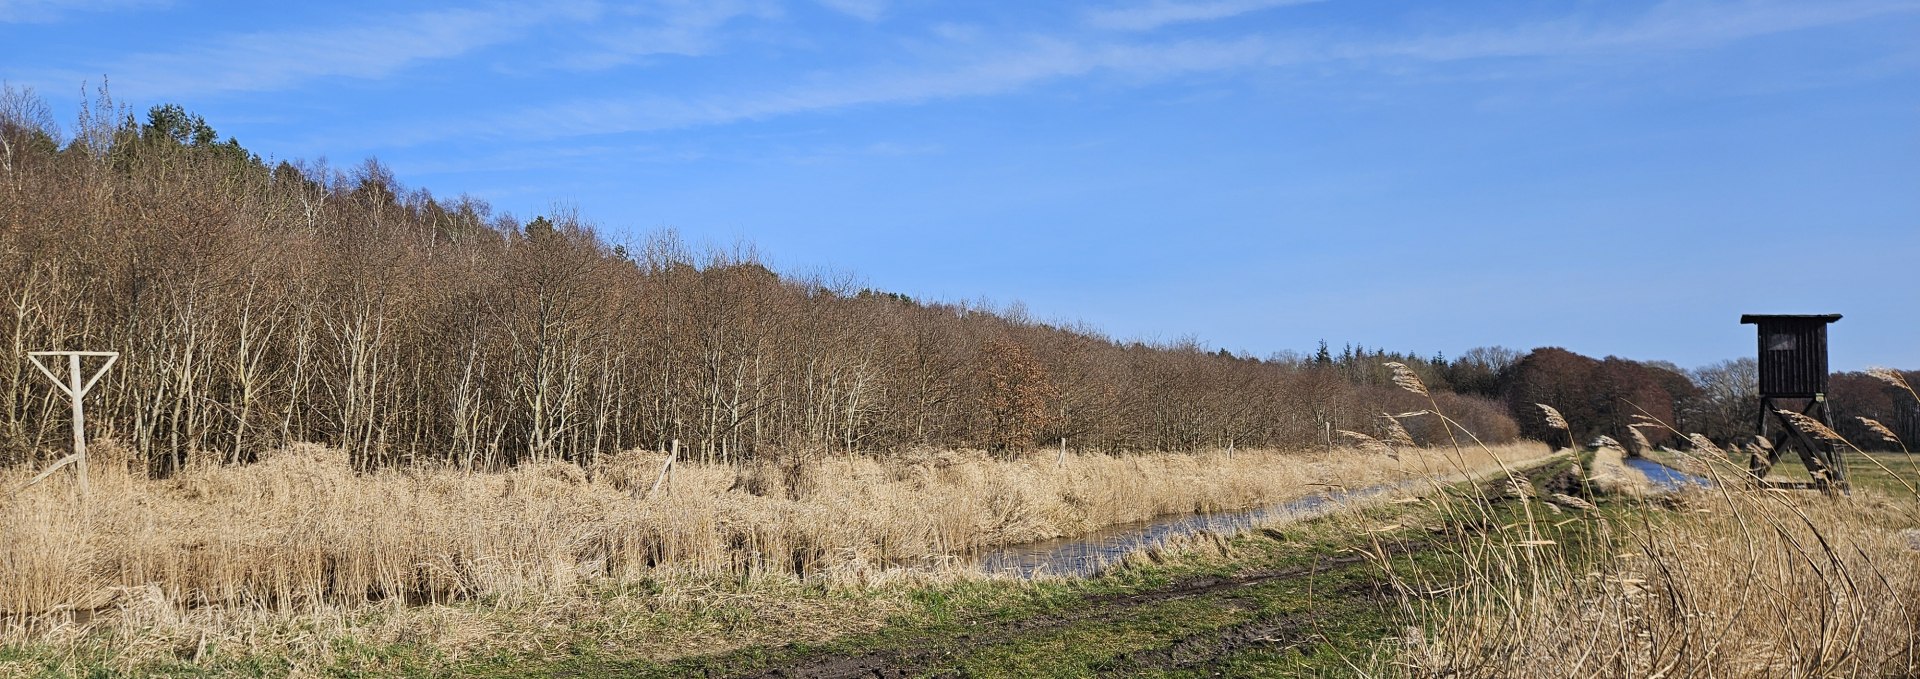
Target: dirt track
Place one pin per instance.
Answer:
(922, 656)
(1294, 604)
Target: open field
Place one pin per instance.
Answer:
(1891, 474)
(296, 564)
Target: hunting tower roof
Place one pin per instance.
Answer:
(1756, 318)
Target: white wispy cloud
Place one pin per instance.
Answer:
(373, 48)
(1160, 13)
(1671, 25)
(47, 11)
(652, 113)
(679, 27)
(864, 10)
(1038, 61)
(1013, 66)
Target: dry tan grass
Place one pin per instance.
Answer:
(1609, 473)
(252, 555)
(1723, 582)
(1731, 585)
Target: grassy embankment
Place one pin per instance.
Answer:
(1500, 579)
(297, 566)
(1537, 578)
(1541, 577)
(1327, 597)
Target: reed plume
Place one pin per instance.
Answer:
(1880, 430)
(1406, 379)
(1397, 434)
(1368, 443)
(1811, 426)
(1554, 419)
(1639, 439)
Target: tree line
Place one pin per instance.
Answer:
(1602, 397)
(259, 303)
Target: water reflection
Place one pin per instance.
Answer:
(1665, 478)
(1088, 554)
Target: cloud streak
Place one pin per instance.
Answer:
(1672, 25)
(864, 10)
(1161, 13)
(49, 11)
(278, 60)
(676, 28)
(1040, 61)
(1014, 67)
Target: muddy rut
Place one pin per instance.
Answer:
(924, 655)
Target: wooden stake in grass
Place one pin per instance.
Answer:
(665, 469)
(76, 387)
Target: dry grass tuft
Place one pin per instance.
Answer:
(1610, 474)
(1574, 502)
(1811, 426)
(1892, 377)
(1639, 439)
(1397, 434)
(1705, 446)
(1405, 378)
(1880, 430)
(1554, 419)
(1368, 443)
(1746, 585)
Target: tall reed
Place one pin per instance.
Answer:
(1729, 581)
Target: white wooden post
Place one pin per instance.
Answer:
(1063, 453)
(665, 470)
(76, 388)
(79, 421)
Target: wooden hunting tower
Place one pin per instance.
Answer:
(1793, 376)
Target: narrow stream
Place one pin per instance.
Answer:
(1665, 478)
(1086, 555)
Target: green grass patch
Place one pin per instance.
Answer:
(1892, 474)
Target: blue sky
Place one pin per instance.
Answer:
(1614, 177)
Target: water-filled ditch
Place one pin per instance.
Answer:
(1086, 555)
(1665, 478)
